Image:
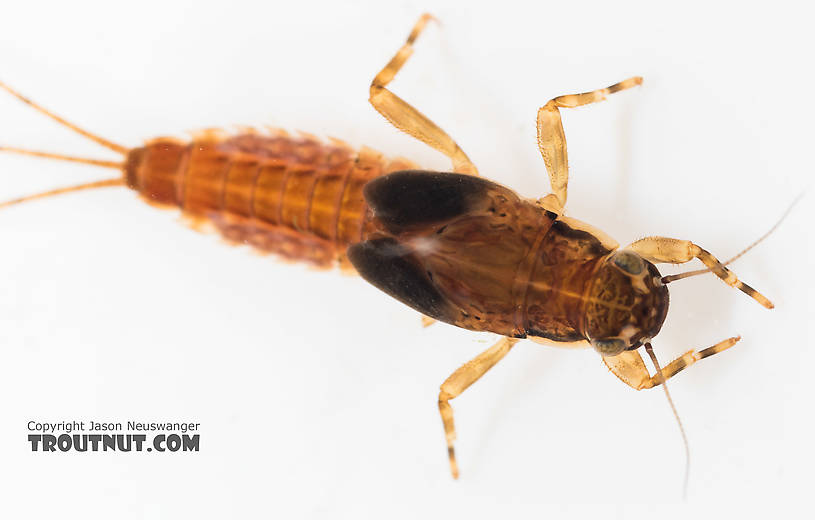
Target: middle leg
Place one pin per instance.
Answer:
(552, 139)
(459, 381)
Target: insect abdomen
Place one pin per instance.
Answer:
(297, 197)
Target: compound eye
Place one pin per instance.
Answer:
(609, 346)
(629, 262)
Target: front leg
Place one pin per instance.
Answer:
(674, 251)
(631, 369)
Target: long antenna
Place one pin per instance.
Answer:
(118, 181)
(93, 137)
(688, 274)
(59, 156)
(662, 379)
(62, 157)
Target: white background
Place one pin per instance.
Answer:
(317, 393)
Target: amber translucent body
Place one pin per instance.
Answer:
(472, 253)
(455, 247)
(504, 265)
(297, 197)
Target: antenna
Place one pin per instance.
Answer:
(662, 380)
(688, 274)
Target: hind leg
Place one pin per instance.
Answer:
(406, 118)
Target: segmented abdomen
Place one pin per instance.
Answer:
(294, 196)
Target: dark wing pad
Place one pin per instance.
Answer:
(391, 268)
(414, 198)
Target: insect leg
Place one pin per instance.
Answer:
(459, 381)
(674, 251)
(552, 140)
(631, 369)
(406, 118)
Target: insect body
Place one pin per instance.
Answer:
(296, 197)
(456, 247)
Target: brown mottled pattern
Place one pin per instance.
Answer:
(297, 197)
